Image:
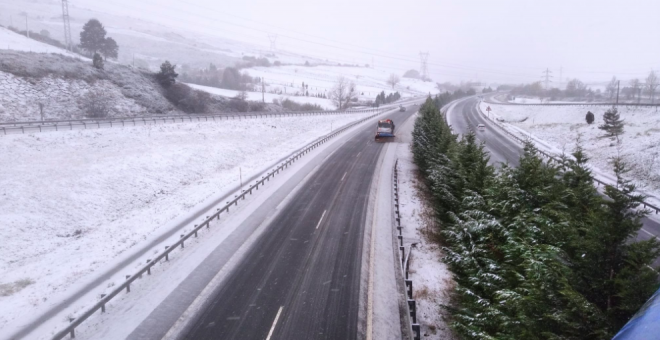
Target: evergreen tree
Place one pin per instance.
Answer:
(167, 75)
(590, 117)
(626, 280)
(110, 49)
(613, 124)
(97, 61)
(92, 37)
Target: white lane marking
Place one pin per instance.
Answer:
(342, 177)
(644, 230)
(321, 220)
(272, 328)
(359, 153)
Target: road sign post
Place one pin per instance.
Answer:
(488, 109)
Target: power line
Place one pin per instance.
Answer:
(273, 42)
(424, 57)
(67, 24)
(547, 77)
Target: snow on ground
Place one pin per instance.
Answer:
(321, 79)
(432, 280)
(95, 194)
(269, 97)
(13, 41)
(559, 127)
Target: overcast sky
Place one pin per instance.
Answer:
(504, 40)
(488, 40)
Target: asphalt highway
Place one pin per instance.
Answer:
(301, 279)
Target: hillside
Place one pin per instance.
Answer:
(560, 126)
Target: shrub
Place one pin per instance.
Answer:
(239, 105)
(257, 106)
(188, 99)
(293, 106)
(96, 104)
(97, 61)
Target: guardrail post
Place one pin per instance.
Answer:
(128, 286)
(167, 255)
(413, 310)
(417, 331)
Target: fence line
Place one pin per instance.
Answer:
(572, 104)
(57, 125)
(554, 159)
(405, 262)
(105, 299)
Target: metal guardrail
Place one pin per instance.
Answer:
(572, 104)
(405, 261)
(554, 159)
(68, 124)
(146, 269)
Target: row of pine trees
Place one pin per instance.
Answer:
(535, 251)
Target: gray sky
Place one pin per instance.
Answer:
(510, 40)
(503, 40)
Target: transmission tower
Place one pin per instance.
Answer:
(67, 24)
(424, 57)
(547, 75)
(273, 42)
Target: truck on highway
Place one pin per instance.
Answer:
(385, 129)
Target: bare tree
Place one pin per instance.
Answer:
(393, 80)
(652, 84)
(611, 87)
(343, 93)
(635, 84)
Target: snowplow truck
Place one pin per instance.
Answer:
(385, 129)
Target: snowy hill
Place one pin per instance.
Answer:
(194, 42)
(560, 126)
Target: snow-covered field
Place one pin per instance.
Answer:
(321, 79)
(12, 41)
(560, 126)
(432, 280)
(96, 194)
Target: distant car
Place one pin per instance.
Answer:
(481, 127)
(402, 108)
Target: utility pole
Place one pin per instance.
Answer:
(66, 20)
(263, 96)
(273, 42)
(27, 28)
(617, 92)
(547, 77)
(424, 57)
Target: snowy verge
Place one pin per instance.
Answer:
(432, 280)
(555, 129)
(96, 195)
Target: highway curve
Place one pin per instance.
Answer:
(465, 116)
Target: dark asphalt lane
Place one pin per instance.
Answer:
(301, 279)
(465, 116)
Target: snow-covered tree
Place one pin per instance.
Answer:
(612, 123)
(393, 80)
(92, 37)
(167, 75)
(110, 49)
